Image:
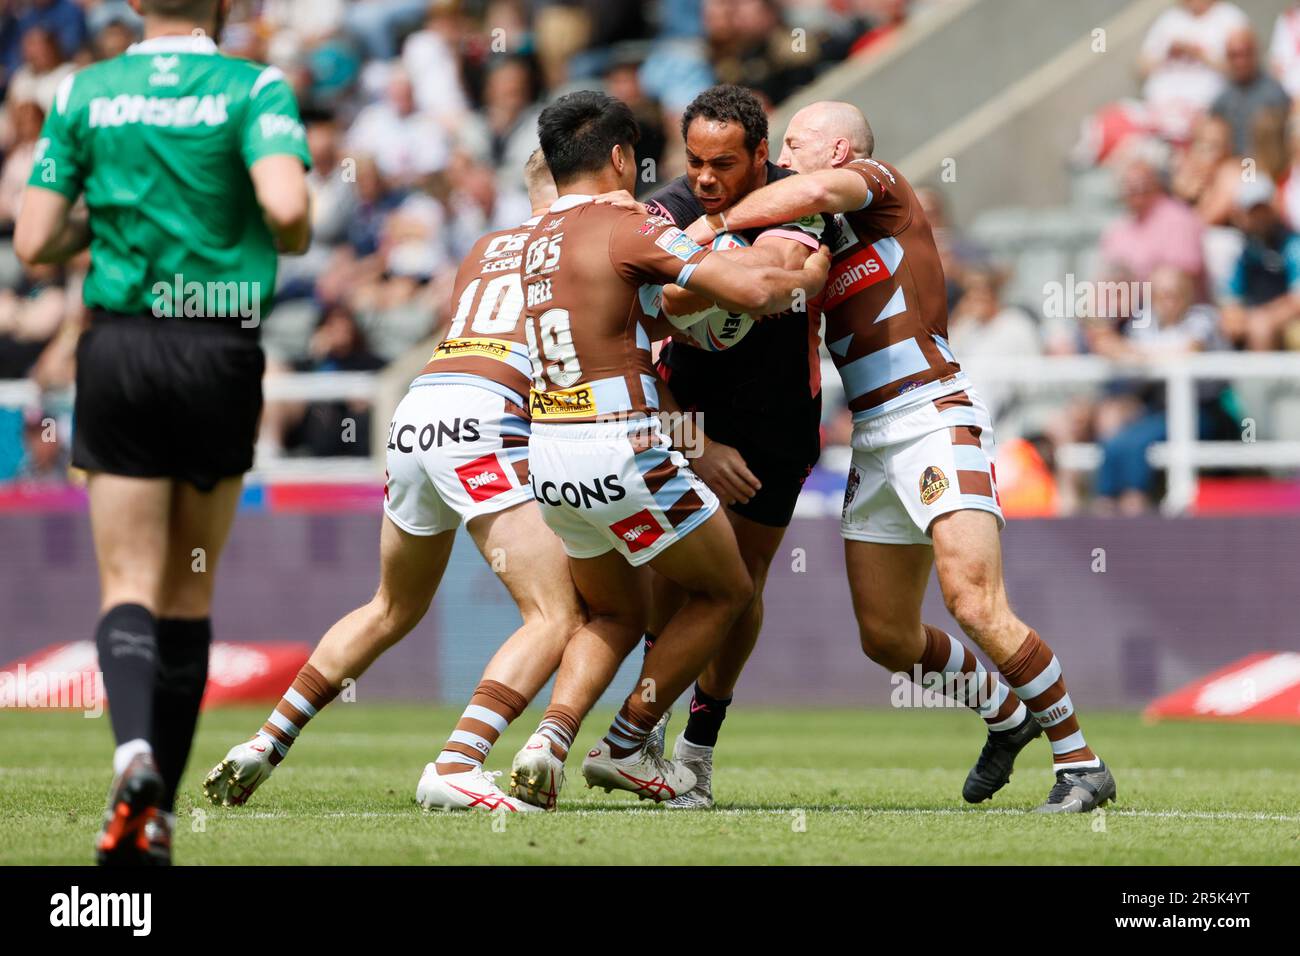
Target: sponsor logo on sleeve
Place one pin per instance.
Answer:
(676, 243)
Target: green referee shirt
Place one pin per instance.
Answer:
(160, 140)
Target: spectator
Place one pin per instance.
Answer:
(43, 69)
(1284, 50)
(505, 135)
(1249, 93)
(1182, 61)
(1289, 186)
(1261, 304)
(45, 459)
(431, 57)
(30, 317)
(751, 47)
(957, 252)
(1158, 229)
(27, 118)
(981, 325)
(323, 428)
(407, 145)
(1207, 173)
(114, 37)
(622, 80)
(1171, 324)
(61, 20)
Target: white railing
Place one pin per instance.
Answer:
(1182, 455)
(292, 387)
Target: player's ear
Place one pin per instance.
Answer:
(761, 153)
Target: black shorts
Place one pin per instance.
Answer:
(167, 398)
(776, 429)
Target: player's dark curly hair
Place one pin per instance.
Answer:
(578, 131)
(729, 104)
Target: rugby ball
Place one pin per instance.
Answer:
(716, 330)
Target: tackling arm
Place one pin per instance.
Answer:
(767, 251)
(759, 290)
(786, 200)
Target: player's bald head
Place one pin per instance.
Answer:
(825, 135)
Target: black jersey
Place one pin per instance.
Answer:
(779, 354)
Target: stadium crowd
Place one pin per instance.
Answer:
(420, 115)
(419, 118)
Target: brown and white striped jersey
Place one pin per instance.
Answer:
(885, 301)
(485, 344)
(586, 270)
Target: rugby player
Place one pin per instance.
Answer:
(457, 452)
(605, 475)
(192, 166)
(758, 403)
(921, 489)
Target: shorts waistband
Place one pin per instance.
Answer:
(226, 325)
(595, 431)
(924, 398)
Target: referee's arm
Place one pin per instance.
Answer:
(47, 229)
(281, 187)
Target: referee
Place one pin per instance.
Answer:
(192, 165)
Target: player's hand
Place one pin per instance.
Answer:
(815, 268)
(700, 232)
(723, 469)
(623, 200)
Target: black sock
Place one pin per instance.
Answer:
(126, 639)
(649, 642)
(707, 715)
(182, 674)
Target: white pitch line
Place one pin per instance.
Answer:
(1239, 815)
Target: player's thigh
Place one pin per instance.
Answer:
(707, 562)
(528, 557)
(128, 520)
(197, 532)
(411, 567)
(887, 583)
(613, 590)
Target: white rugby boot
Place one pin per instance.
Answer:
(656, 742)
(536, 774)
(474, 789)
(246, 767)
(644, 773)
(698, 760)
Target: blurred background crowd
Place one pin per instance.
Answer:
(420, 116)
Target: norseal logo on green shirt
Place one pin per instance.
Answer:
(127, 110)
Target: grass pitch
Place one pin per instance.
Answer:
(793, 787)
